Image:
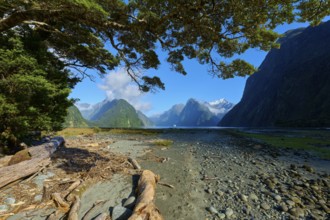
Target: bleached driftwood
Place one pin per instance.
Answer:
(73, 214)
(40, 157)
(135, 164)
(145, 208)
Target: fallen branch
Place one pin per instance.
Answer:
(40, 157)
(73, 214)
(60, 203)
(135, 164)
(165, 184)
(145, 208)
(102, 216)
(73, 186)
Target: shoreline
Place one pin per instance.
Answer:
(214, 175)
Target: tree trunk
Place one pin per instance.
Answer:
(145, 208)
(40, 157)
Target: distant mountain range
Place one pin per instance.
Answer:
(119, 113)
(115, 113)
(194, 113)
(292, 86)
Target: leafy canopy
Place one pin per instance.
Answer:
(34, 88)
(103, 34)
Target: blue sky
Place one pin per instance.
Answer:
(198, 83)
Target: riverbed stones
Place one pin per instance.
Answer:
(265, 206)
(3, 208)
(229, 212)
(253, 197)
(10, 201)
(212, 210)
(283, 207)
(297, 212)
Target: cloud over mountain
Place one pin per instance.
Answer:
(118, 85)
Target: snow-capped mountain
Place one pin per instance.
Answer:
(194, 113)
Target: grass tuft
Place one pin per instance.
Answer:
(163, 142)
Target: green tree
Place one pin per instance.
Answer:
(102, 34)
(34, 88)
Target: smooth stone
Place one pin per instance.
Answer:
(38, 198)
(296, 200)
(278, 198)
(265, 206)
(290, 202)
(120, 213)
(229, 212)
(219, 193)
(209, 191)
(244, 198)
(253, 197)
(297, 212)
(221, 215)
(283, 207)
(10, 201)
(3, 208)
(130, 202)
(212, 210)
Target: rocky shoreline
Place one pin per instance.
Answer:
(215, 176)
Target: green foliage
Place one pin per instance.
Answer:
(33, 92)
(102, 35)
(315, 141)
(74, 119)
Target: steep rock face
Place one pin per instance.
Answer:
(170, 117)
(116, 113)
(196, 114)
(74, 119)
(292, 86)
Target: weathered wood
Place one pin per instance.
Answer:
(135, 164)
(73, 214)
(40, 157)
(145, 208)
(73, 186)
(60, 203)
(103, 216)
(166, 184)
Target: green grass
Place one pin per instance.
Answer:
(163, 142)
(318, 142)
(67, 132)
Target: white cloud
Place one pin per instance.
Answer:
(119, 85)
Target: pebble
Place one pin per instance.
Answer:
(283, 207)
(297, 212)
(219, 193)
(212, 210)
(253, 197)
(221, 215)
(120, 213)
(290, 202)
(229, 212)
(278, 198)
(265, 206)
(130, 202)
(10, 201)
(3, 208)
(244, 198)
(209, 191)
(38, 198)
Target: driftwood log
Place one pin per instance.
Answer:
(145, 208)
(40, 157)
(134, 163)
